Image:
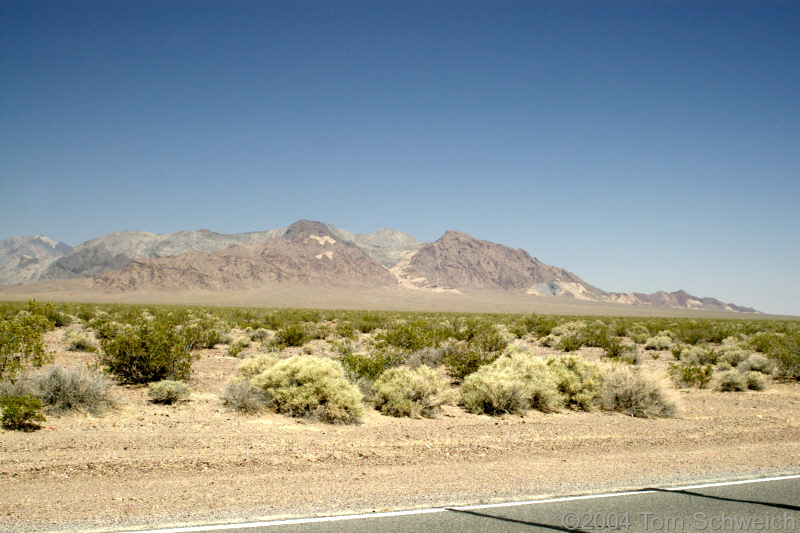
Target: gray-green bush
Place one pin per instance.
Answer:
(74, 388)
(578, 380)
(627, 390)
(168, 391)
(311, 387)
(403, 391)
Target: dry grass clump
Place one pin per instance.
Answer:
(168, 391)
(311, 387)
(74, 388)
(512, 384)
(579, 381)
(78, 340)
(627, 390)
(240, 395)
(402, 391)
(732, 380)
(757, 363)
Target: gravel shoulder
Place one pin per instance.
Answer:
(152, 465)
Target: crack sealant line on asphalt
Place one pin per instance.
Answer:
(388, 514)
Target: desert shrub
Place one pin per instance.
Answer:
(75, 388)
(537, 325)
(659, 342)
(732, 380)
(413, 335)
(690, 375)
(627, 390)
(639, 334)
(757, 363)
(259, 335)
(570, 343)
(22, 342)
(168, 391)
(431, 357)
(346, 330)
(511, 384)
(368, 322)
(238, 346)
(311, 387)
(253, 366)
(462, 358)
(569, 328)
(150, 350)
(292, 335)
(615, 350)
(785, 352)
(78, 341)
(697, 356)
(732, 355)
(371, 365)
(755, 380)
(549, 341)
(403, 391)
(240, 395)
(21, 412)
(578, 380)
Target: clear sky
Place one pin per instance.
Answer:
(643, 145)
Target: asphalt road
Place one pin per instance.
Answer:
(750, 505)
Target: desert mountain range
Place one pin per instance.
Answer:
(309, 253)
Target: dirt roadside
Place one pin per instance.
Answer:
(152, 465)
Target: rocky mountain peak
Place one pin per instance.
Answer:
(303, 230)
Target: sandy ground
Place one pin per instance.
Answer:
(151, 465)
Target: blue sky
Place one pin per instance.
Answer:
(641, 145)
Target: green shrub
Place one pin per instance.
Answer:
(21, 412)
(627, 390)
(570, 343)
(659, 342)
(76, 388)
(413, 335)
(372, 365)
(346, 330)
(22, 342)
(240, 395)
(238, 346)
(690, 375)
(78, 341)
(151, 350)
(755, 380)
(292, 335)
(732, 380)
(639, 334)
(578, 380)
(569, 328)
(311, 387)
(168, 391)
(403, 391)
(462, 358)
(511, 384)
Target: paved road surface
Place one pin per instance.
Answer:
(751, 505)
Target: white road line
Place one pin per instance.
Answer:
(300, 521)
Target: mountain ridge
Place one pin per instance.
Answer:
(313, 252)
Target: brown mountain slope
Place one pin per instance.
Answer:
(459, 261)
(308, 253)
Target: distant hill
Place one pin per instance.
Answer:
(23, 259)
(308, 253)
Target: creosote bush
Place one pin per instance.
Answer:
(150, 350)
(292, 335)
(311, 387)
(21, 412)
(22, 342)
(74, 388)
(168, 391)
(686, 376)
(629, 391)
(403, 391)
